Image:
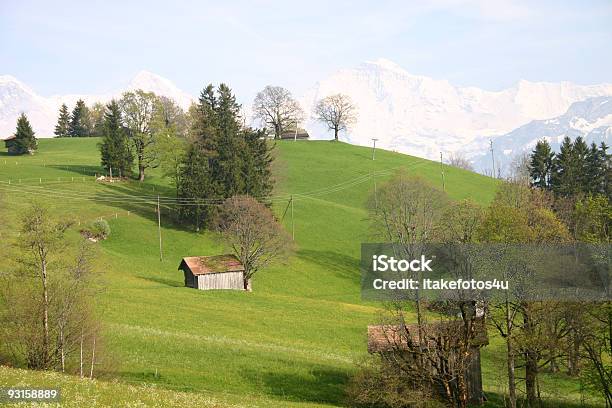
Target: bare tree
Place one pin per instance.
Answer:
(277, 110)
(336, 111)
(46, 303)
(137, 108)
(251, 230)
(460, 161)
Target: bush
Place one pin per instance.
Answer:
(99, 229)
(376, 384)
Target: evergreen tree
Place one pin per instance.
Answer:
(234, 160)
(540, 165)
(581, 153)
(25, 140)
(595, 170)
(116, 156)
(606, 170)
(565, 170)
(79, 120)
(194, 184)
(63, 121)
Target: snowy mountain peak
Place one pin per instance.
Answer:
(150, 82)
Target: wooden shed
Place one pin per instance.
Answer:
(302, 134)
(11, 145)
(385, 339)
(213, 272)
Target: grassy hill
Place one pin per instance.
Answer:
(294, 340)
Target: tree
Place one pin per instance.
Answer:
(276, 109)
(252, 232)
(541, 165)
(169, 130)
(46, 307)
(519, 215)
(234, 159)
(25, 140)
(137, 109)
(96, 119)
(460, 161)
(116, 156)
(79, 120)
(337, 112)
(63, 121)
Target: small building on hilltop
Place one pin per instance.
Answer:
(442, 339)
(11, 145)
(213, 272)
(302, 134)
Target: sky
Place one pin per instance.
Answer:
(86, 47)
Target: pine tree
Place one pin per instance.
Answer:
(540, 166)
(116, 156)
(581, 153)
(565, 170)
(595, 170)
(79, 119)
(25, 140)
(194, 183)
(236, 160)
(63, 121)
(606, 170)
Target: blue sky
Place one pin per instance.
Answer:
(88, 46)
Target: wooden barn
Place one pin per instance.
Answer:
(11, 145)
(213, 272)
(387, 339)
(302, 134)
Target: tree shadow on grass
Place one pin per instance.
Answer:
(321, 385)
(137, 199)
(343, 266)
(82, 169)
(164, 281)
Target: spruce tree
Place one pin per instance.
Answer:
(63, 121)
(565, 170)
(78, 126)
(227, 158)
(116, 156)
(595, 170)
(195, 184)
(25, 140)
(540, 165)
(581, 153)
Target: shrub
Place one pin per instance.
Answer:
(99, 229)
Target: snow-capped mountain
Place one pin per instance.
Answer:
(423, 116)
(16, 97)
(591, 119)
(405, 112)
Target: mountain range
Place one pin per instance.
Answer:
(410, 113)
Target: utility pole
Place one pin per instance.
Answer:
(442, 170)
(296, 130)
(374, 148)
(292, 223)
(161, 258)
(492, 157)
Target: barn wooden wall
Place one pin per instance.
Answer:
(226, 280)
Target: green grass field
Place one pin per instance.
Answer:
(293, 341)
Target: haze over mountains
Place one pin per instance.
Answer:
(408, 113)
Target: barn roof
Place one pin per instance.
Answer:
(10, 138)
(199, 265)
(395, 337)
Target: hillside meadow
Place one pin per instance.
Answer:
(294, 341)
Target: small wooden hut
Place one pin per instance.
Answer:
(301, 134)
(388, 339)
(11, 145)
(213, 272)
